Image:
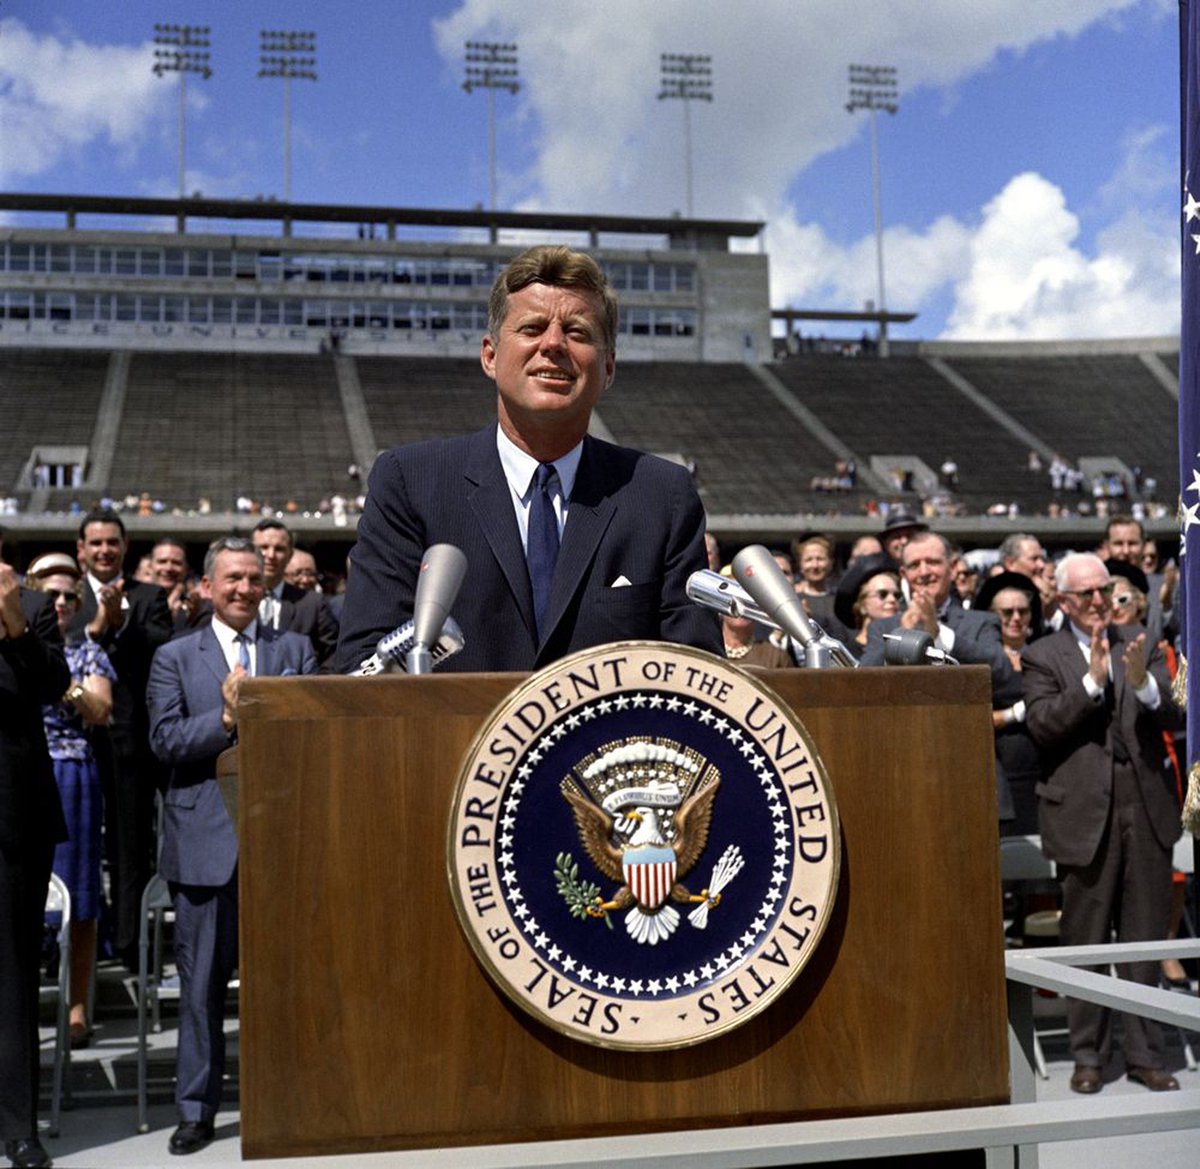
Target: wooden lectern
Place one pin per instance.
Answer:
(366, 1023)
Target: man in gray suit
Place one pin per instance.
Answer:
(969, 636)
(1097, 699)
(572, 542)
(193, 698)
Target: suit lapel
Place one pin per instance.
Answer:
(491, 502)
(212, 655)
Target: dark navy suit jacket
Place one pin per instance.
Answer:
(632, 518)
(199, 845)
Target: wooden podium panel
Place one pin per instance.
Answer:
(366, 1023)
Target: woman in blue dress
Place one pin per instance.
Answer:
(86, 704)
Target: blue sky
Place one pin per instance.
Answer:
(1030, 179)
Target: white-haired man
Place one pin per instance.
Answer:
(1097, 700)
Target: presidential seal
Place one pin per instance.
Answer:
(643, 848)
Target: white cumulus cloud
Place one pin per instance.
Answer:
(597, 139)
(1028, 278)
(58, 95)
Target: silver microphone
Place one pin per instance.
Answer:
(913, 647)
(763, 579)
(440, 577)
(713, 591)
(392, 649)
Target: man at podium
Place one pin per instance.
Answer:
(570, 541)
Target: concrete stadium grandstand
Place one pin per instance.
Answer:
(198, 362)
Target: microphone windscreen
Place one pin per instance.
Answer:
(763, 579)
(907, 647)
(442, 570)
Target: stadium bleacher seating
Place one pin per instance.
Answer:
(47, 397)
(223, 425)
(411, 399)
(273, 426)
(751, 455)
(904, 406)
(1087, 405)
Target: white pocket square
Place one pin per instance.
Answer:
(622, 582)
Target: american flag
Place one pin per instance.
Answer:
(1189, 391)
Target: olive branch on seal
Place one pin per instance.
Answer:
(581, 897)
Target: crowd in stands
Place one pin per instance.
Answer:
(109, 739)
(1080, 650)
(1082, 653)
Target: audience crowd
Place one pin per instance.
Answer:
(1081, 653)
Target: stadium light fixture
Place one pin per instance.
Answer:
(290, 55)
(873, 88)
(688, 77)
(182, 49)
(491, 65)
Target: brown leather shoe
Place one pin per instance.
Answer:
(1155, 1079)
(1087, 1079)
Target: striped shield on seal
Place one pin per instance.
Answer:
(649, 872)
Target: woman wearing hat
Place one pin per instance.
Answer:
(868, 591)
(86, 703)
(1015, 600)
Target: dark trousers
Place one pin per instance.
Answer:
(24, 877)
(206, 953)
(128, 779)
(1126, 888)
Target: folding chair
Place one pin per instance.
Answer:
(151, 986)
(1021, 860)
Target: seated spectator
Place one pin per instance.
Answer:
(87, 703)
(741, 646)
(868, 591)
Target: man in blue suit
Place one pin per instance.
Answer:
(572, 542)
(193, 698)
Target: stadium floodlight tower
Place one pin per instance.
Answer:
(183, 49)
(289, 55)
(491, 65)
(688, 77)
(874, 88)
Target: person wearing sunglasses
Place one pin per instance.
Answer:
(1015, 601)
(1097, 699)
(868, 591)
(86, 703)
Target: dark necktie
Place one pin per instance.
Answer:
(542, 548)
(1120, 748)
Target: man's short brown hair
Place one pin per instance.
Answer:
(557, 265)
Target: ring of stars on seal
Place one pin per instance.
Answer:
(643, 846)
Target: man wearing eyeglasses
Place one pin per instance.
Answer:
(1097, 699)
